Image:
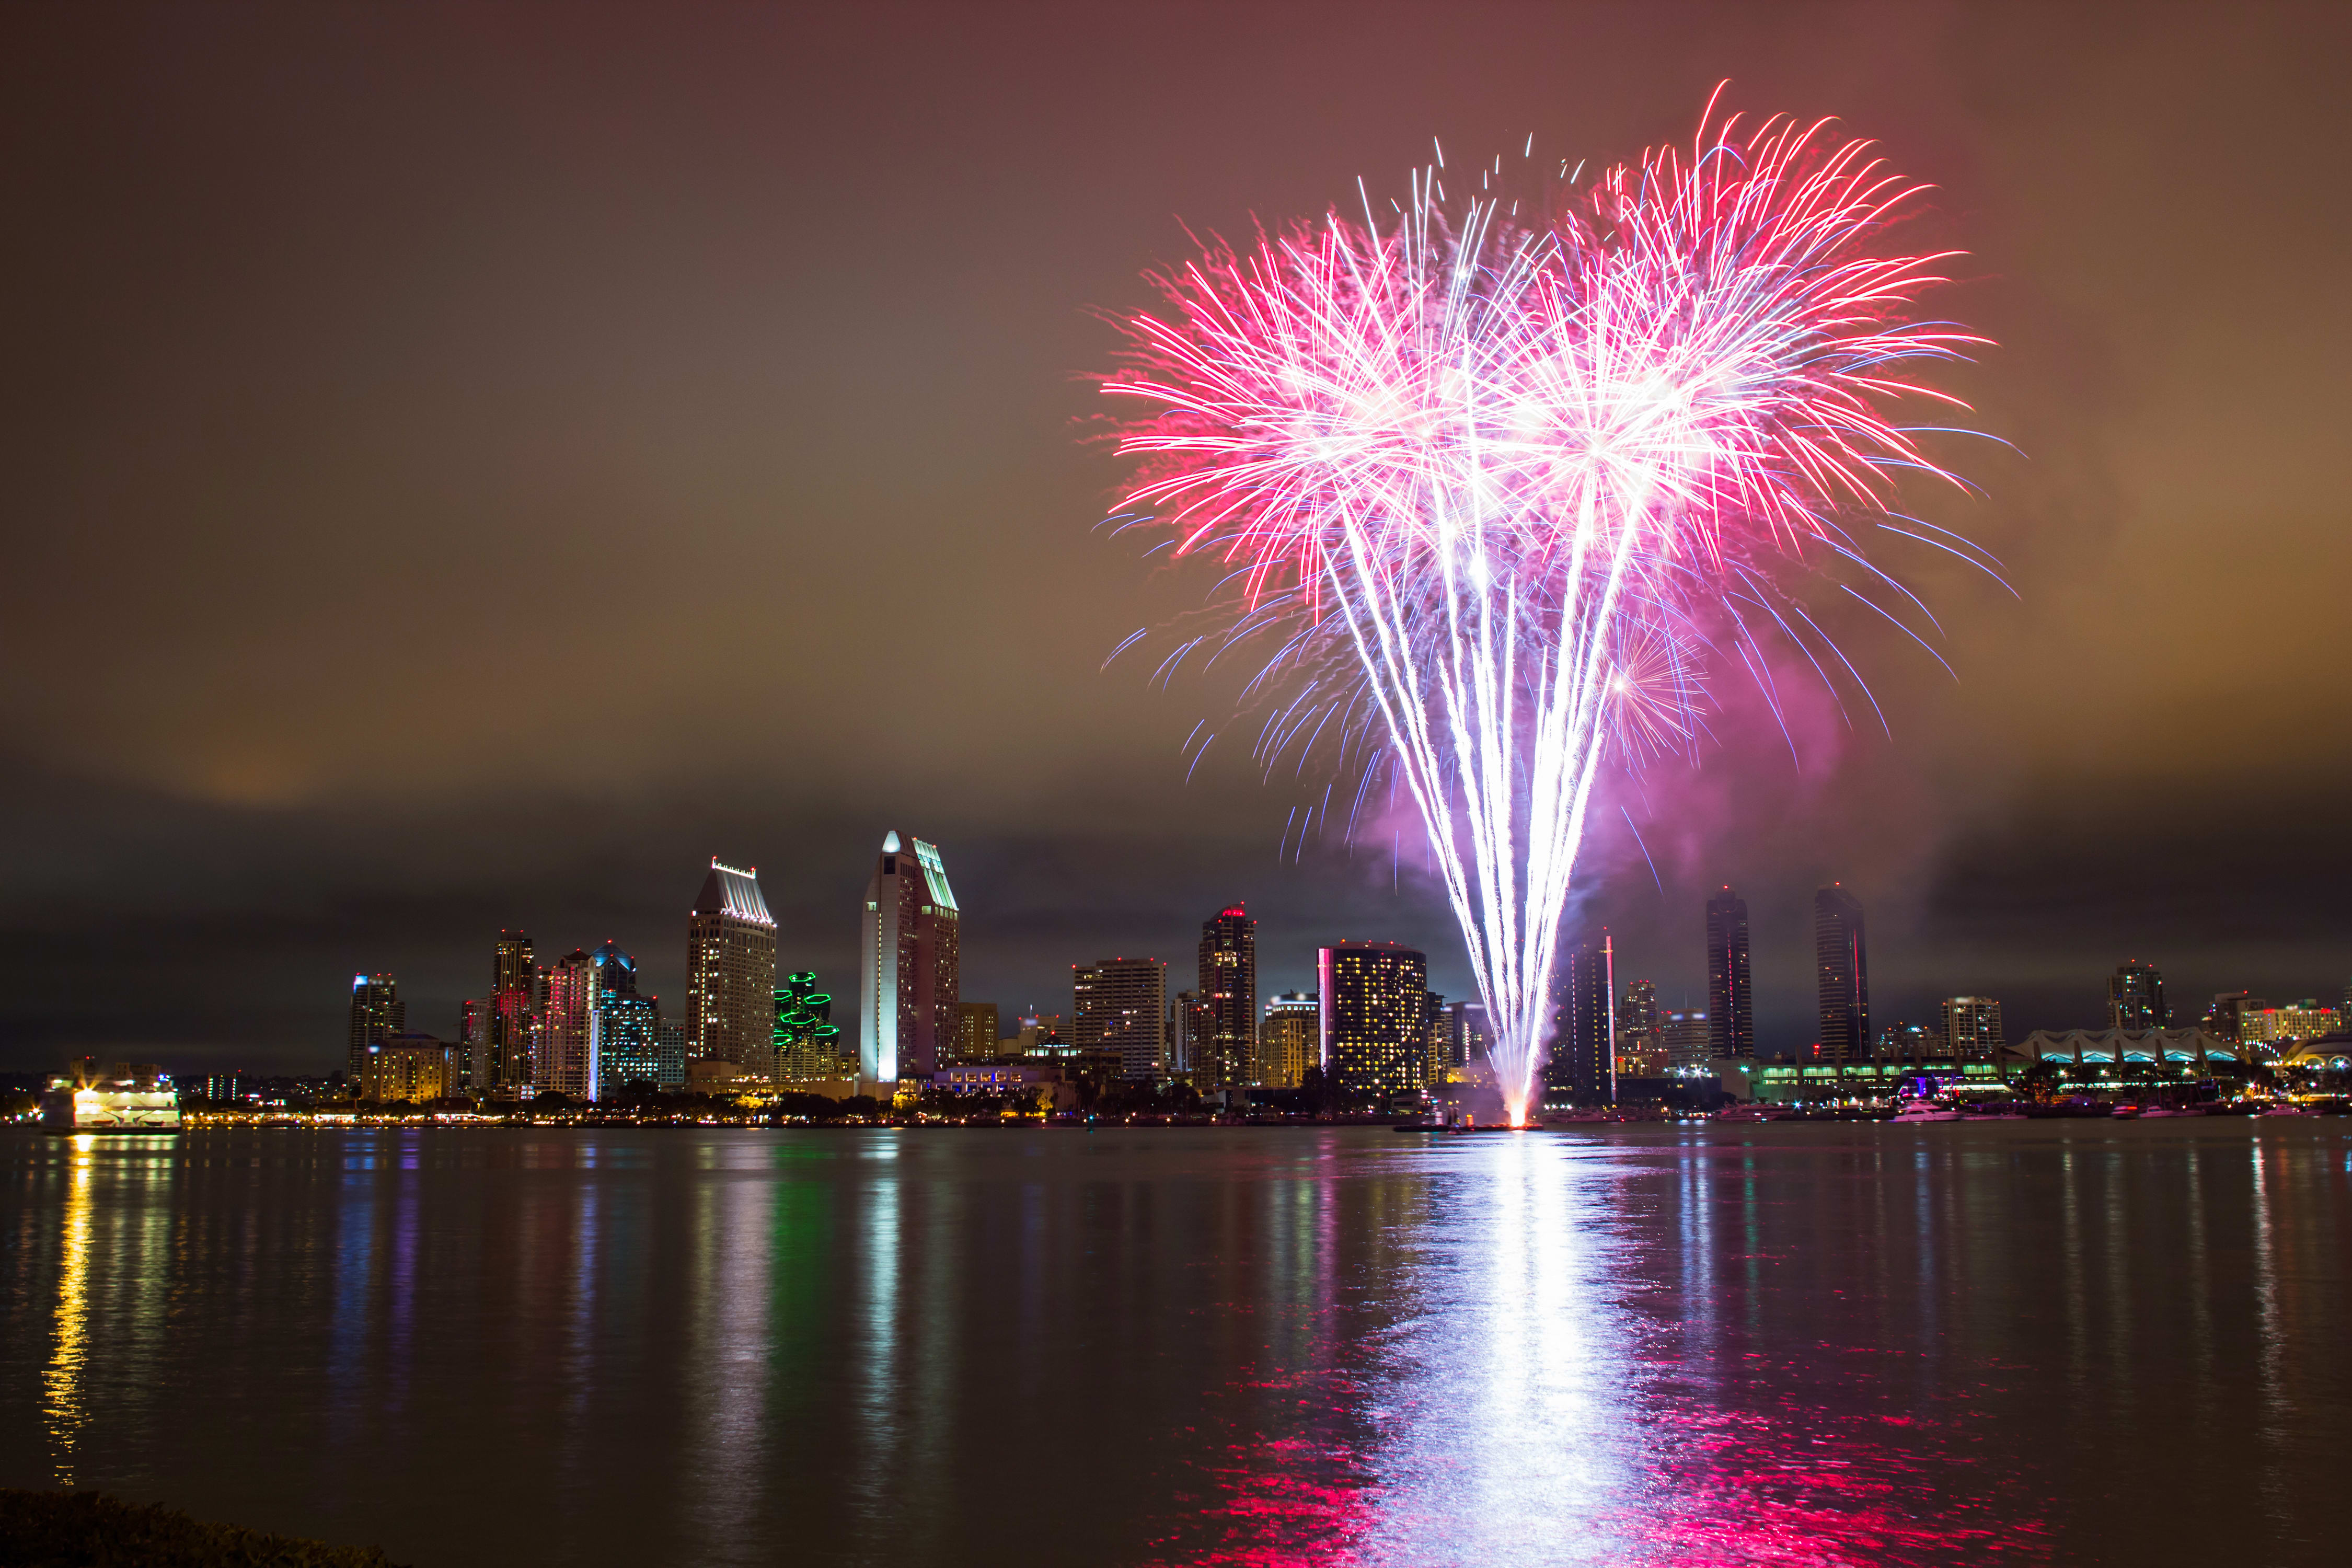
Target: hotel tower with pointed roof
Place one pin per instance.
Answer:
(730, 973)
(909, 956)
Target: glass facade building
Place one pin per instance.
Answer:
(1581, 1067)
(912, 963)
(1730, 992)
(1842, 958)
(1220, 1057)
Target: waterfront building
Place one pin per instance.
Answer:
(377, 1013)
(2304, 1020)
(2226, 1017)
(2135, 997)
(1972, 1028)
(1289, 1039)
(976, 1031)
(514, 991)
(910, 960)
(1913, 1043)
(474, 1019)
(1437, 1038)
(1371, 1029)
(669, 1053)
(414, 1068)
(1641, 1033)
(1188, 1026)
(2175, 1048)
(624, 1040)
(1220, 1058)
(1689, 1041)
(730, 971)
(563, 1063)
(807, 1042)
(1119, 1007)
(1468, 1036)
(1581, 1067)
(1730, 992)
(1842, 960)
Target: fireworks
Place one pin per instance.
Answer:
(1490, 474)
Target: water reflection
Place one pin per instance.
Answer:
(61, 1382)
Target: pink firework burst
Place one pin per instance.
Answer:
(1487, 467)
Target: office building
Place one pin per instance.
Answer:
(2135, 997)
(377, 1013)
(1437, 1038)
(976, 1031)
(1289, 1039)
(564, 1064)
(669, 1053)
(1220, 1056)
(1188, 1025)
(1373, 1036)
(1119, 1007)
(624, 1045)
(1910, 1043)
(514, 993)
(1730, 994)
(475, 1015)
(1842, 960)
(730, 971)
(808, 1044)
(911, 960)
(1467, 1034)
(2226, 1018)
(1641, 1033)
(1689, 1040)
(417, 1068)
(1972, 1028)
(1580, 1068)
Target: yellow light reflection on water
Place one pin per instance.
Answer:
(61, 1401)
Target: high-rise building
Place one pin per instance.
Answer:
(2302, 1020)
(2227, 1016)
(1581, 1068)
(2135, 997)
(1640, 1035)
(414, 1068)
(1467, 1033)
(1188, 1026)
(807, 1042)
(669, 1053)
(624, 1026)
(476, 1015)
(976, 1031)
(1289, 1039)
(1972, 1028)
(730, 971)
(565, 1063)
(1373, 1036)
(1437, 1038)
(1120, 1006)
(910, 958)
(1842, 960)
(377, 1013)
(1690, 1039)
(1900, 1042)
(1229, 993)
(514, 992)
(1730, 996)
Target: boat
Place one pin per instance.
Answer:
(1916, 1111)
(125, 1097)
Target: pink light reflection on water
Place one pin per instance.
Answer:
(1535, 1398)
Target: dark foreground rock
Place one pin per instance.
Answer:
(90, 1529)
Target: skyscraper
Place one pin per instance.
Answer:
(910, 955)
(1289, 1039)
(1437, 1039)
(1972, 1028)
(1373, 1034)
(1689, 1038)
(1640, 1039)
(807, 1042)
(1229, 993)
(565, 1062)
(2135, 997)
(1188, 1026)
(623, 1039)
(377, 1013)
(1843, 962)
(514, 991)
(730, 971)
(1466, 1028)
(1121, 1005)
(976, 1031)
(1582, 1068)
(474, 1019)
(1730, 998)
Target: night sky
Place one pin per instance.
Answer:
(466, 467)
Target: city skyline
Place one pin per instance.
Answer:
(252, 794)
